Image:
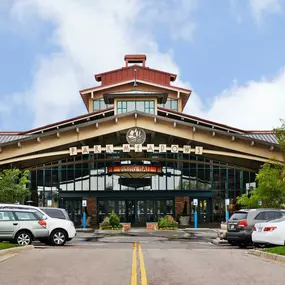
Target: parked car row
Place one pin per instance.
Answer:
(23, 224)
(259, 227)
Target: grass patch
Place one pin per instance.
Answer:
(276, 250)
(5, 245)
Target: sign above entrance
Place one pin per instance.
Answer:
(135, 171)
(162, 148)
(136, 136)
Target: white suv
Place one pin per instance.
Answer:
(21, 226)
(60, 230)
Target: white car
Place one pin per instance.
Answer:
(269, 233)
(60, 230)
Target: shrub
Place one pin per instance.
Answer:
(167, 222)
(111, 223)
(106, 222)
(114, 220)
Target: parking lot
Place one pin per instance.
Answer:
(136, 260)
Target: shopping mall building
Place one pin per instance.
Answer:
(136, 153)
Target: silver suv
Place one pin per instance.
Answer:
(21, 226)
(241, 223)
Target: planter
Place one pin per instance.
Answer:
(126, 226)
(152, 226)
(184, 220)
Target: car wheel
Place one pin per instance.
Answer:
(58, 237)
(24, 238)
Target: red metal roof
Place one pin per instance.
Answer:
(135, 71)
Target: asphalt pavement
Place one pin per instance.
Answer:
(139, 260)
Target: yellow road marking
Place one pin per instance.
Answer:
(143, 273)
(134, 265)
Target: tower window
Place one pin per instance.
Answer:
(146, 106)
(99, 104)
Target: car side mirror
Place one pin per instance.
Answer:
(44, 217)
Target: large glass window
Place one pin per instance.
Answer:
(171, 104)
(139, 105)
(99, 104)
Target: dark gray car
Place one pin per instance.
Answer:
(241, 223)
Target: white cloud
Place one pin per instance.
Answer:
(91, 37)
(259, 8)
(255, 105)
(175, 15)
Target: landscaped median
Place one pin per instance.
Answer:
(274, 253)
(6, 245)
(8, 250)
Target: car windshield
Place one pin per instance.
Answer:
(238, 216)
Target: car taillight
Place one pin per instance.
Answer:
(254, 228)
(43, 223)
(270, 229)
(242, 223)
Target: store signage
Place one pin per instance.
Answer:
(84, 203)
(195, 202)
(161, 148)
(134, 168)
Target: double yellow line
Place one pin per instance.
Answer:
(136, 246)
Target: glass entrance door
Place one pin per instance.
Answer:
(74, 210)
(203, 211)
(130, 211)
(136, 211)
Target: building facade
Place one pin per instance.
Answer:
(136, 153)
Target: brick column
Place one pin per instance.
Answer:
(179, 205)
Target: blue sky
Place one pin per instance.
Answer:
(230, 52)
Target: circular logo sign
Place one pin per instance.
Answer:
(136, 136)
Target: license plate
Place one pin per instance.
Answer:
(260, 229)
(232, 226)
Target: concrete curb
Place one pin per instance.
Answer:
(10, 252)
(200, 230)
(267, 255)
(87, 230)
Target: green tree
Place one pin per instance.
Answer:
(270, 180)
(13, 186)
